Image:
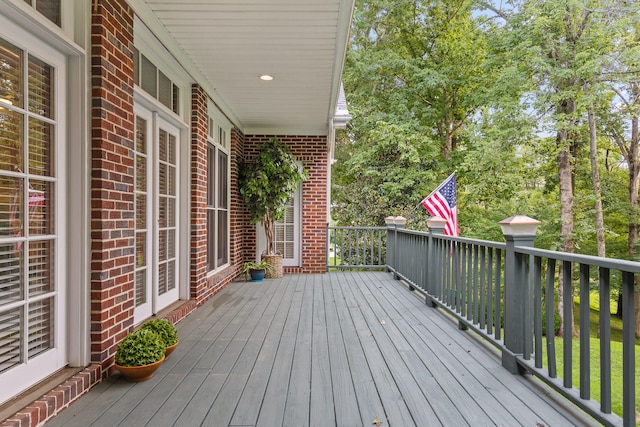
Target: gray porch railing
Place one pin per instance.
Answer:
(351, 248)
(507, 292)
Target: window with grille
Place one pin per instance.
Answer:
(217, 197)
(28, 186)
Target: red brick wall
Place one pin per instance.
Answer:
(199, 118)
(202, 284)
(112, 178)
(313, 152)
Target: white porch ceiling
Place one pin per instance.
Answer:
(302, 43)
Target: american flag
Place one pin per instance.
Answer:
(442, 202)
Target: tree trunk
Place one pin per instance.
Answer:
(566, 215)
(595, 175)
(634, 177)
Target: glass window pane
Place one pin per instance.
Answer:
(10, 274)
(171, 243)
(222, 238)
(175, 105)
(141, 135)
(11, 83)
(162, 145)
(164, 90)
(171, 212)
(141, 211)
(211, 152)
(222, 180)
(40, 208)
(162, 245)
(211, 242)
(11, 157)
(40, 148)
(162, 278)
(148, 76)
(171, 180)
(141, 280)
(40, 327)
(10, 338)
(171, 275)
(40, 268)
(171, 149)
(162, 178)
(141, 173)
(40, 87)
(141, 249)
(11, 206)
(50, 9)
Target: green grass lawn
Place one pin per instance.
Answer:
(616, 359)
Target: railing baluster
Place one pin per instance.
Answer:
(482, 302)
(537, 310)
(551, 325)
(498, 295)
(605, 340)
(567, 301)
(490, 291)
(628, 350)
(585, 355)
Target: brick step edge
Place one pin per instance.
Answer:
(45, 408)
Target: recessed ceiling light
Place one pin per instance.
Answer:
(266, 77)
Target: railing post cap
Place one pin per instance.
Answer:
(519, 225)
(400, 220)
(390, 221)
(436, 222)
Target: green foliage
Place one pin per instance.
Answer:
(268, 183)
(167, 330)
(251, 265)
(140, 348)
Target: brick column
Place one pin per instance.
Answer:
(199, 123)
(112, 178)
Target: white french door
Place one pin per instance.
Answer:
(156, 206)
(33, 275)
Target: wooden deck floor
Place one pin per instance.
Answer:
(339, 349)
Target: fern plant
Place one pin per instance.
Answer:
(140, 348)
(167, 330)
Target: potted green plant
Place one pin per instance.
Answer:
(256, 270)
(267, 184)
(139, 354)
(167, 331)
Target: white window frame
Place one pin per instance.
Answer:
(218, 138)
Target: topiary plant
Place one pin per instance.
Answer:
(267, 184)
(140, 348)
(164, 328)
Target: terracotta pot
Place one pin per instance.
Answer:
(136, 374)
(169, 350)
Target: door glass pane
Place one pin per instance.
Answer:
(10, 338)
(171, 275)
(40, 148)
(162, 278)
(11, 87)
(11, 149)
(41, 218)
(162, 145)
(141, 208)
(40, 268)
(10, 274)
(223, 226)
(40, 87)
(40, 327)
(162, 245)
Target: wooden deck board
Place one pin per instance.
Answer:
(339, 349)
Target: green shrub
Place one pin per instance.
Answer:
(140, 348)
(167, 331)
